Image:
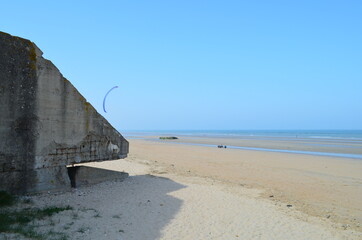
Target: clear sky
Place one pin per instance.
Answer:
(205, 64)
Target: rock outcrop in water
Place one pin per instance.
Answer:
(45, 123)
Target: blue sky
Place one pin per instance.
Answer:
(205, 64)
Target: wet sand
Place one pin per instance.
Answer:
(318, 145)
(327, 187)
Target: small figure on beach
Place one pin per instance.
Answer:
(221, 146)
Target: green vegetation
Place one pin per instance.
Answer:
(6, 199)
(20, 221)
(168, 138)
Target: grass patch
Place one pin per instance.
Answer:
(6, 199)
(50, 211)
(28, 232)
(20, 221)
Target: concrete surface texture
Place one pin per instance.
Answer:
(45, 123)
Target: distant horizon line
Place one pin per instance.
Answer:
(240, 130)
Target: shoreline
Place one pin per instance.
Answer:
(321, 186)
(320, 147)
(328, 154)
(289, 135)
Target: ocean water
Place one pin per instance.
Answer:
(336, 143)
(320, 134)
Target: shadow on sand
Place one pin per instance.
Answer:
(138, 207)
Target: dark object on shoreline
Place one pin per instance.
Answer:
(168, 138)
(221, 146)
(289, 205)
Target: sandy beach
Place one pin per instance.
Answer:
(177, 191)
(318, 185)
(181, 120)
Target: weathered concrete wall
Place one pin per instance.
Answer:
(84, 175)
(45, 123)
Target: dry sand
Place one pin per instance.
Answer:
(192, 192)
(320, 186)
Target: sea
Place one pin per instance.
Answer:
(321, 134)
(337, 143)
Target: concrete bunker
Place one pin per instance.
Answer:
(80, 175)
(45, 123)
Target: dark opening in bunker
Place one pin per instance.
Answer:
(72, 173)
